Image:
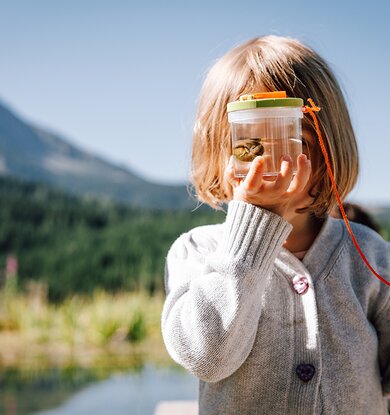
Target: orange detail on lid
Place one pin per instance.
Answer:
(263, 95)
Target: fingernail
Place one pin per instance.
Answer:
(304, 157)
(287, 157)
(258, 159)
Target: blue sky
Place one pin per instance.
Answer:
(121, 78)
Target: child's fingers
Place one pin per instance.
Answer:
(229, 174)
(303, 175)
(283, 180)
(254, 178)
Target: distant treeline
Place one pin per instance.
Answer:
(76, 245)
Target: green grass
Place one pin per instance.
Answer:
(100, 329)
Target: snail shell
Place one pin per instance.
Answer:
(247, 149)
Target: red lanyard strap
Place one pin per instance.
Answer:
(311, 110)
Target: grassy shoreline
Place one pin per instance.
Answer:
(104, 330)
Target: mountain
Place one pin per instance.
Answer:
(33, 153)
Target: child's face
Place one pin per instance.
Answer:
(310, 145)
(311, 148)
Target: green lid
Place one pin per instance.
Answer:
(265, 100)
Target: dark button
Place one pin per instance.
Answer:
(300, 284)
(305, 372)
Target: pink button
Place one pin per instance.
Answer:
(300, 284)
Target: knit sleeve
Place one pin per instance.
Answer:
(213, 303)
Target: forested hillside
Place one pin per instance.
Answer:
(77, 245)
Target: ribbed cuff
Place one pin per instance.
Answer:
(253, 234)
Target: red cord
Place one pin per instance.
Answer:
(311, 111)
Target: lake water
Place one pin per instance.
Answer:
(78, 393)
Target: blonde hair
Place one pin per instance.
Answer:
(272, 63)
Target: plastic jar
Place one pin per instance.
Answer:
(268, 125)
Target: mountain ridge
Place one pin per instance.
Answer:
(31, 152)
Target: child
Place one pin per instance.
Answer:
(274, 310)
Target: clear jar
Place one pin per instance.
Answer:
(267, 131)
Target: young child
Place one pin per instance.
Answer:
(274, 310)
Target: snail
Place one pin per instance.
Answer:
(247, 149)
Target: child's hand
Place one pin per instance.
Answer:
(281, 196)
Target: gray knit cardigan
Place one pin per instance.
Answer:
(235, 317)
